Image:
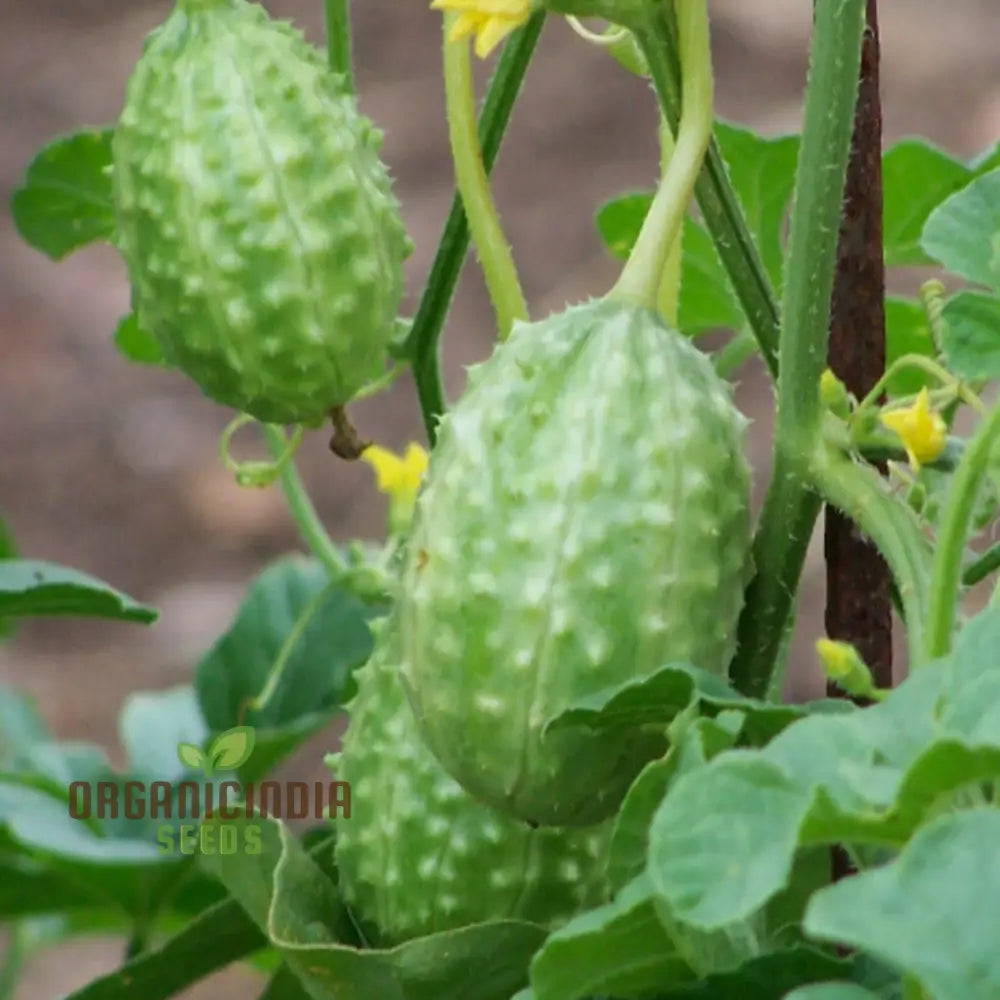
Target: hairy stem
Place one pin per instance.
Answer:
(860, 493)
(952, 534)
(474, 185)
(791, 506)
(423, 341)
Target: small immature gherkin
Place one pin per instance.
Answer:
(418, 855)
(263, 242)
(585, 522)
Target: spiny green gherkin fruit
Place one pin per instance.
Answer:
(262, 238)
(585, 521)
(418, 855)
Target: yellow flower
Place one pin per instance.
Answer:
(490, 21)
(400, 478)
(922, 431)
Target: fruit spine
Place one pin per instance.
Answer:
(262, 238)
(585, 522)
(418, 855)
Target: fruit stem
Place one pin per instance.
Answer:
(337, 17)
(425, 334)
(791, 505)
(668, 296)
(720, 208)
(495, 255)
(301, 508)
(640, 279)
(952, 533)
(192, 6)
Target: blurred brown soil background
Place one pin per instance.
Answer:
(113, 469)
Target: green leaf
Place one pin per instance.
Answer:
(236, 670)
(290, 897)
(763, 174)
(657, 698)
(620, 949)
(707, 300)
(137, 344)
(66, 200)
(739, 815)
(832, 991)
(972, 335)
(100, 858)
(627, 853)
(763, 978)
(210, 941)
(868, 777)
(907, 332)
(917, 177)
(284, 985)
(21, 726)
(619, 221)
(154, 725)
(31, 587)
(231, 749)
(963, 232)
(29, 887)
(931, 912)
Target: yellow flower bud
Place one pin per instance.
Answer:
(490, 21)
(922, 431)
(846, 669)
(834, 394)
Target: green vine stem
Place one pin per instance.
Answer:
(952, 533)
(720, 208)
(641, 277)
(474, 186)
(337, 17)
(425, 334)
(791, 505)
(860, 493)
(301, 508)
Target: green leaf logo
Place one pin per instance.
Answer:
(190, 755)
(232, 748)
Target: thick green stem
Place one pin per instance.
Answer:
(422, 342)
(952, 533)
(301, 508)
(669, 294)
(337, 17)
(860, 493)
(720, 208)
(474, 185)
(641, 277)
(791, 506)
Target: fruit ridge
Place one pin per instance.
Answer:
(262, 238)
(585, 521)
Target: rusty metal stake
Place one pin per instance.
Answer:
(859, 594)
